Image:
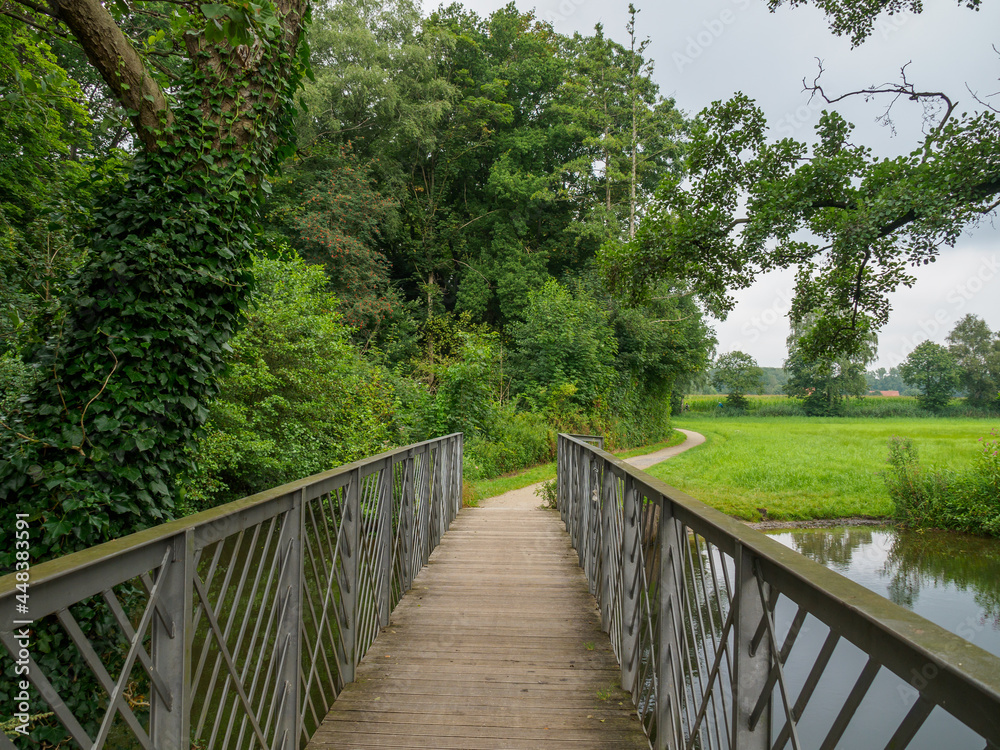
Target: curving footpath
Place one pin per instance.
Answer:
(526, 497)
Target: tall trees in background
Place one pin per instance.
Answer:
(504, 149)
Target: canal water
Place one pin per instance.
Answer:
(951, 579)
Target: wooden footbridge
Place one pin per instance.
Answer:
(280, 622)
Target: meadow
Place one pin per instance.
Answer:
(799, 468)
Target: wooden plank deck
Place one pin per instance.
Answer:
(498, 645)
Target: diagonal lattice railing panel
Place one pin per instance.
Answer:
(234, 628)
(727, 639)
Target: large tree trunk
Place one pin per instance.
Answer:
(101, 442)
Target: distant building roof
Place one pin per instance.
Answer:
(888, 393)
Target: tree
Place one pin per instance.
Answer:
(868, 218)
(977, 354)
(296, 399)
(565, 349)
(824, 384)
(131, 363)
(857, 19)
(737, 373)
(931, 368)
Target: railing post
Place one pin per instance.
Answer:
(750, 666)
(597, 470)
(582, 506)
(671, 592)
(384, 556)
(561, 477)
(290, 626)
(406, 525)
(350, 561)
(608, 569)
(425, 508)
(460, 456)
(170, 715)
(631, 585)
(437, 492)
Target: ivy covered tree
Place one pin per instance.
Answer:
(931, 368)
(124, 379)
(849, 221)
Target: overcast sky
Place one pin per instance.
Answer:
(705, 51)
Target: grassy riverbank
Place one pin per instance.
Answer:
(805, 468)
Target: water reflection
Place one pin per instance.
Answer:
(951, 579)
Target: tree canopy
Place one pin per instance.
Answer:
(851, 222)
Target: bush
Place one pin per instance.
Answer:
(963, 501)
(521, 439)
(297, 398)
(15, 380)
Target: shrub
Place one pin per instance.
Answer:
(521, 439)
(963, 501)
(297, 398)
(15, 380)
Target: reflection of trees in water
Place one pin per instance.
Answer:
(968, 563)
(833, 548)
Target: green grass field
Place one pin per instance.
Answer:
(804, 468)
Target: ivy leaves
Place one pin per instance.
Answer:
(96, 448)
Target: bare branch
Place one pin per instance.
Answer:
(932, 101)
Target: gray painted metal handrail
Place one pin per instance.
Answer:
(725, 636)
(242, 623)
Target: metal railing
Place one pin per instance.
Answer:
(727, 639)
(236, 627)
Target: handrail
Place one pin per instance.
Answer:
(241, 623)
(724, 635)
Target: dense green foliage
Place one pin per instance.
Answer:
(296, 399)
(823, 383)
(976, 351)
(967, 499)
(737, 374)
(932, 369)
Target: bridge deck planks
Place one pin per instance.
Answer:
(498, 645)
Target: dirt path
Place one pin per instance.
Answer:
(526, 497)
